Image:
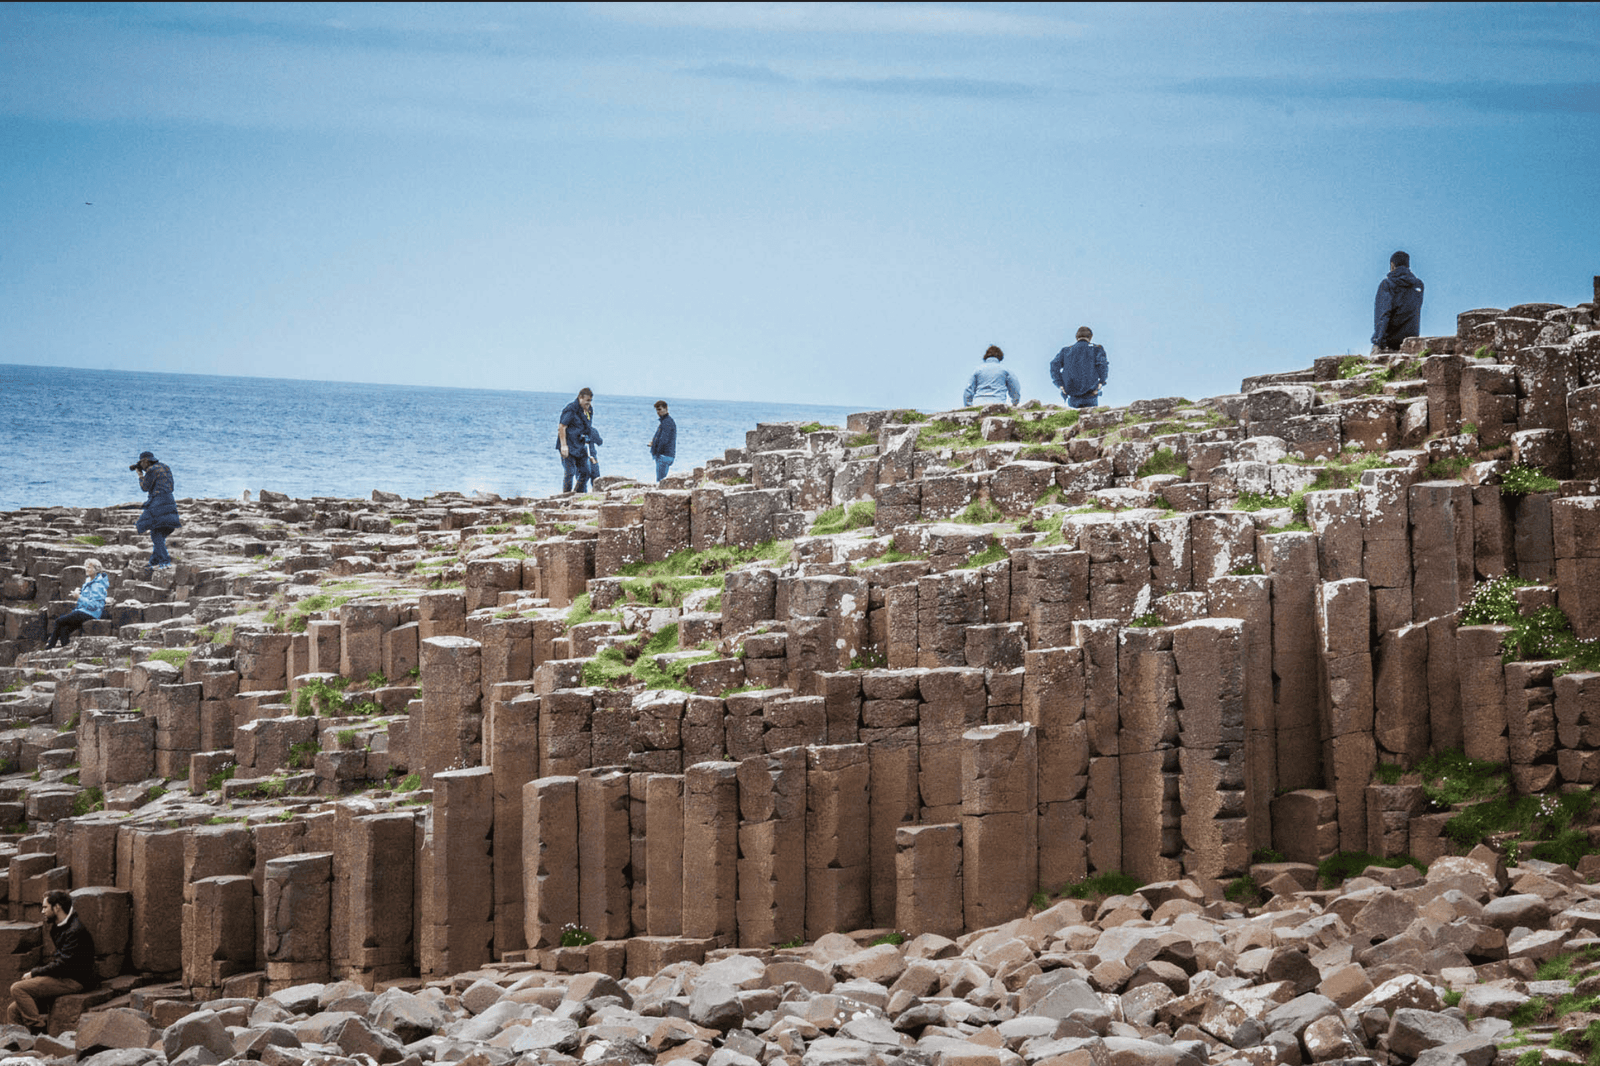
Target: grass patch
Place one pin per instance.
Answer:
(815, 427)
(948, 433)
(1261, 501)
(911, 418)
(1546, 819)
(89, 800)
(1243, 890)
(176, 656)
(713, 560)
(1351, 366)
(1164, 461)
(838, 519)
(303, 756)
(862, 440)
(1519, 480)
(300, 612)
(994, 553)
(1251, 570)
(575, 936)
(581, 611)
(1449, 778)
(1388, 773)
(1338, 868)
(409, 783)
(635, 663)
(890, 556)
(1543, 633)
(888, 938)
(94, 540)
(1111, 883)
(319, 697)
(215, 780)
(980, 513)
(1148, 620)
(1449, 468)
(869, 659)
(1046, 428)
(513, 551)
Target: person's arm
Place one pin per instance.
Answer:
(1013, 388)
(1102, 366)
(561, 439)
(966, 397)
(669, 443)
(1055, 372)
(1382, 309)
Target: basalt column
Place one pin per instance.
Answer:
(549, 859)
(1209, 655)
(1052, 702)
(772, 847)
(837, 859)
(999, 822)
(458, 889)
(448, 736)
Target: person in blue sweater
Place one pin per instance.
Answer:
(160, 515)
(1080, 371)
(92, 602)
(991, 383)
(1397, 309)
(664, 445)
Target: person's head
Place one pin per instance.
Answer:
(586, 396)
(57, 904)
(1085, 333)
(1399, 259)
(994, 353)
(91, 566)
(146, 461)
(661, 408)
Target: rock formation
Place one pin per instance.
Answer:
(992, 735)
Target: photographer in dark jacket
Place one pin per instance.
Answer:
(70, 969)
(160, 515)
(664, 445)
(1397, 311)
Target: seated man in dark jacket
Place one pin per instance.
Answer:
(70, 969)
(1397, 311)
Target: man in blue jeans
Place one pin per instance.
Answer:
(159, 518)
(1080, 371)
(664, 445)
(574, 436)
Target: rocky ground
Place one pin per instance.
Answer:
(1458, 966)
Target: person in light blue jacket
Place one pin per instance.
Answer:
(991, 383)
(92, 602)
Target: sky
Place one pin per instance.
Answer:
(813, 203)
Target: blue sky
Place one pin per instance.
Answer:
(837, 203)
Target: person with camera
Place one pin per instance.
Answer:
(160, 515)
(92, 600)
(576, 438)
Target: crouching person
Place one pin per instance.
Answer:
(70, 969)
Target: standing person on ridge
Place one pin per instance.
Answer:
(574, 436)
(92, 600)
(69, 971)
(990, 382)
(1397, 311)
(664, 445)
(160, 515)
(1080, 371)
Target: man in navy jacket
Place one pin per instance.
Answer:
(1397, 312)
(1080, 371)
(664, 445)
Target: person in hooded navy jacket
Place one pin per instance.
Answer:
(159, 518)
(1397, 313)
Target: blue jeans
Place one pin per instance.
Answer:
(575, 466)
(663, 464)
(158, 552)
(1091, 400)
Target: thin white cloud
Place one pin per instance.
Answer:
(843, 18)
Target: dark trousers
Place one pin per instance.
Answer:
(67, 625)
(576, 467)
(25, 1007)
(158, 547)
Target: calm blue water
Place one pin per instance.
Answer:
(67, 436)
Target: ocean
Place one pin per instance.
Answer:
(67, 436)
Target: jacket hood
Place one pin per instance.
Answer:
(1403, 277)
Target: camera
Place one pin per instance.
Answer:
(133, 466)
